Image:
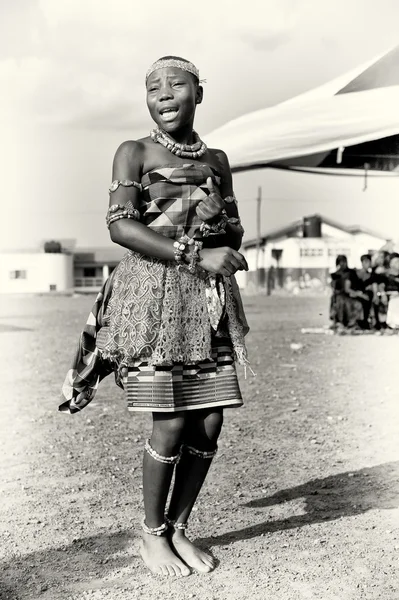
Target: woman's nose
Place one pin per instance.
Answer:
(165, 93)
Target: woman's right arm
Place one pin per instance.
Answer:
(128, 233)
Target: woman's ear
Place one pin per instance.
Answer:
(199, 94)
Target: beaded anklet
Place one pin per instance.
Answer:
(155, 530)
(168, 460)
(175, 525)
(201, 453)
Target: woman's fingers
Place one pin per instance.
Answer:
(238, 256)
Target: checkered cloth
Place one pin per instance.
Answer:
(88, 367)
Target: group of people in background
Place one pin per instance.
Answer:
(366, 298)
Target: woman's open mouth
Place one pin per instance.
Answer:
(168, 114)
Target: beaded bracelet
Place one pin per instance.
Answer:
(220, 227)
(180, 247)
(195, 257)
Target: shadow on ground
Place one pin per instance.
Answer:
(84, 560)
(327, 499)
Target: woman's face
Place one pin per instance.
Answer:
(172, 96)
(380, 259)
(394, 264)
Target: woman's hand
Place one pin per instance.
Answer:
(212, 205)
(222, 261)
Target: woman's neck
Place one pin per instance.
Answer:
(184, 135)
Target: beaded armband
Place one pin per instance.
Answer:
(230, 199)
(119, 211)
(126, 183)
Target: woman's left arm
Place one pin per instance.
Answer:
(222, 205)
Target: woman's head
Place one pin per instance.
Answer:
(173, 92)
(394, 262)
(366, 261)
(341, 261)
(381, 258)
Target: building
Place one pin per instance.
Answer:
(57, 267)
(302, 254)
(36, 272)
(92, 266)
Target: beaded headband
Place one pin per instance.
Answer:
(172, 62)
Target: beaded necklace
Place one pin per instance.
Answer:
(195, 150)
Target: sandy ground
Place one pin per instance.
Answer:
(301, 502)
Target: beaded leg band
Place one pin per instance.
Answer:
(200, 453)
(167, 460)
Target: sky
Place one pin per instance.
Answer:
(73, 76)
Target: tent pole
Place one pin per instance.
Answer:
(258, 237)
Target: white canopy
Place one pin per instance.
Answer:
(357, 107)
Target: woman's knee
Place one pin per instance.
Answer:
(213, 424)
(205, 429)
(167, 432)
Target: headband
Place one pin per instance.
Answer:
(173, 62)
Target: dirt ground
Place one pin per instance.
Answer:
(302, 501)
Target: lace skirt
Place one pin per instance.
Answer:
(160, 314)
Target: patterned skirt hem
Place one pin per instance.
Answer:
(220, 404)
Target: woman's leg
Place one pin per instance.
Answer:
(161, 454)
(201, 434)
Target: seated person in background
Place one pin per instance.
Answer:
(389, 292)
(346, 310)
(365, 284)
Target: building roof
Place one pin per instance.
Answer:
(295, 228)
(99, 255)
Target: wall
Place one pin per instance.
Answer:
(42, 271)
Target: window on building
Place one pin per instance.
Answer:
(336, 251)
(89, 271)
(18, 274)
(312, 251)
(53, 287)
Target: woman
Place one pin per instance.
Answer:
(346, 310)
(173, 323)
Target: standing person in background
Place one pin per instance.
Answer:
(379, 304)
(389, 291)
(365, 281)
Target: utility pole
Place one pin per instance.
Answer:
(258, 237)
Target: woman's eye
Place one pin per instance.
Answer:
(152, 89)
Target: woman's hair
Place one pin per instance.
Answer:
(393, 255)
(365, 257)
(340, 258)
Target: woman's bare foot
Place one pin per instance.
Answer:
(190, 554)
(160, 558)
